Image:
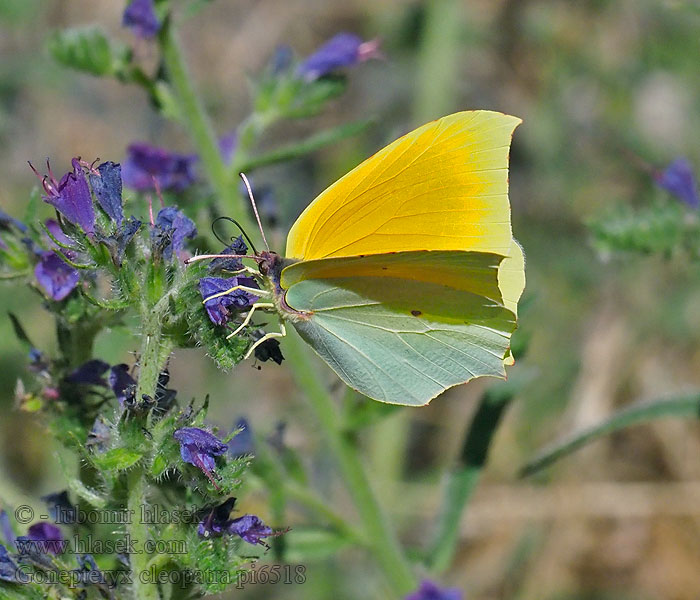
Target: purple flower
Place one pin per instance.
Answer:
(199, 448)
(70, 196)
(8, 535)
(56, 277)
(7, 222)
(218, 308)
(145, 162)
(429, 591)
(678, 179)
(60, 507)
(217, 520)
(250, 528)
(342, 50)
(227, 145)
(122, 383)
(49, 537)
(170, 231)
(55, 230)
(8, 568)
(89, 373)
(140, 17)
(242, 443)
(108, 190)
(237, 247)
(281, 59)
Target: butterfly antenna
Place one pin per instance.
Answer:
(237, 224)
(255, 209)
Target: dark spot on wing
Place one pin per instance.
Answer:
(385, 268)
(416, 313)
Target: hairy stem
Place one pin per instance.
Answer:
(138, 532)
(381, 536)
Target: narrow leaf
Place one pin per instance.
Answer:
(683, 406)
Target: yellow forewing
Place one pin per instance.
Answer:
(443, 186)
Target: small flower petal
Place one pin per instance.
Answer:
(122, 383)
(430, 591)
(342, 50)
(8, 536)
(679, 180)
(145, 162)
(171, 230)
(73, 200)
(140, 17)
(49, 534)
(56, 277)
(250, 528)
(199, 448)
(8, 568)
(218, 308)
(108, 190)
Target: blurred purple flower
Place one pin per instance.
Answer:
(70, 196)
(217, 520)
(145, 162)
(218, 308)
(678, 179)
(281, 59)
(227, 145)
(122, 383)
(242, 442)
(89, 373)
(55, 230)
(107, 187)
(250, 528)
(171, 229)
(49, 534)
(140, 17)
(7, 222)
(8, 536)
(342, 50)
(56, 277)
(8, 568)
(430, 591)
(199, 448)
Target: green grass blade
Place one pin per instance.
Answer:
(683, 406)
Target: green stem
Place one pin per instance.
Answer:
(155, 350)
(138, 532)
(381, 536)
(202, 132)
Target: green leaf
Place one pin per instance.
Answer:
(683, 406)
(89, 50)
(118, 459)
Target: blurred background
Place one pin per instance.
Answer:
(599, 85)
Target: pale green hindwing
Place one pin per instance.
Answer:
(403, 327)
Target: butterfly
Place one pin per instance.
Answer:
(404, 276)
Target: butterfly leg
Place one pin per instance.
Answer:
(268, 336)
(250, 290)
(249, 316)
